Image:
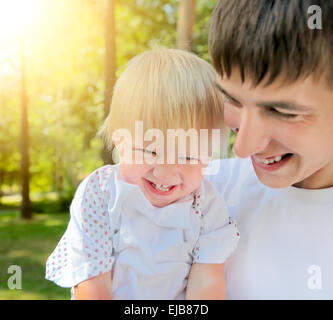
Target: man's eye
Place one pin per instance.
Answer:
(282, 114)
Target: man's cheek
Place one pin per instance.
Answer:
(231, 117)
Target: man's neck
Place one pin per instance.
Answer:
(321, 179)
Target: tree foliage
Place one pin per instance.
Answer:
(65, 83)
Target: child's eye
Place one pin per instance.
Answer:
(150, 152)
(190, 159)
(146, 151)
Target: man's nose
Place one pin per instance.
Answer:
(252, 135)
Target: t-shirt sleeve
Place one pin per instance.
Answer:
(85, 249)
(219, 233)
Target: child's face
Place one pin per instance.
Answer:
(292, 124)
(163, 184)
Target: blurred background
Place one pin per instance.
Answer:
(59, 60)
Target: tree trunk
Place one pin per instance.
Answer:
(2, 178)
(185, 25)
(25, 177)
(110, 63)
(59, 169)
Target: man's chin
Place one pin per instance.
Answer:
(274, 181)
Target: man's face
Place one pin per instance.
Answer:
(287, 130)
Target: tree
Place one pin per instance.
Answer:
(26, 204)
(70, 82)
(185, 25)
(110, 63)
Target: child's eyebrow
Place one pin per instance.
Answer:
(286, 105)
(140, 149)
(143, 149)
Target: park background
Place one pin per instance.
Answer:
(59, 60)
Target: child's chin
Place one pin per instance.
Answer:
(159, 203)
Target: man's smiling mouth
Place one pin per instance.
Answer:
(273, 161)
(270, 160)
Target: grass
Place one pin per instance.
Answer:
(28, 244)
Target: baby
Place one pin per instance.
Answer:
(151, 226)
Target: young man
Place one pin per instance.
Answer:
(276, 75)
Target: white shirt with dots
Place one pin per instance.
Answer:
(149, 250)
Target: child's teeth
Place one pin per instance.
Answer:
(161, 187)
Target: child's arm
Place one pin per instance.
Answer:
(206, 282)
(97, 288)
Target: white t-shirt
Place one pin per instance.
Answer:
(286, 245)
(149, 250)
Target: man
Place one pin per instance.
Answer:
(276, 75)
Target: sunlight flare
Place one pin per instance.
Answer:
(17, 17)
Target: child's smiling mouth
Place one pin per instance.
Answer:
(159, 189)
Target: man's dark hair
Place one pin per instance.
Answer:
(266, 39)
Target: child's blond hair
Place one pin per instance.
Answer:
(165, 89)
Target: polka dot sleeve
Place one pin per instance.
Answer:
(219, 234)
(85, 250)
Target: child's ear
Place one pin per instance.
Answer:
(122, 140)
(121, 152)
(115, 154)
(204, 169)
(205, 160)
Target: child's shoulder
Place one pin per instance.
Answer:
(208, 190)
(98, 181)
(101, 177)
(96, 190)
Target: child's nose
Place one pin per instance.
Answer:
(164, 173)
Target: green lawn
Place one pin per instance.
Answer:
(28, 244)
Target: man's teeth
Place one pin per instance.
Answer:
(265, 161)
(161, 187)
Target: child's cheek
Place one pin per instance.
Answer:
(132, 173)
(194, 176)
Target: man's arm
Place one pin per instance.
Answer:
(206, 282)
(97, 288)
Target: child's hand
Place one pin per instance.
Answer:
(97, 288)
(206, 282)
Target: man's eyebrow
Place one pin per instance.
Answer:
(218, 87)
(286, 105)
